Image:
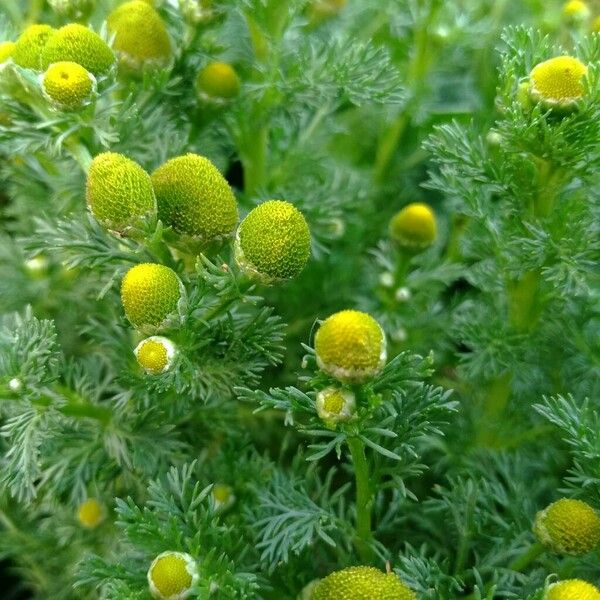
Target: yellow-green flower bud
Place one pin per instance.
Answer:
(29, 48)
(325, 9)
(222, 497)
(350, 346)
(141, 38)
(558, 83)
(335, 405)
(68, 85)
(6, 51)
(568, 527)
(572, 589)
(194, 198)
(218, 81)
(362, 582)
(576, 11)
(91, 513)
(196, 11)
(73, 9)
(172, 576)
(79, 44)
(155, 354)
(273, 242)
(153, 297)
(119, 192)
(414, 228)
(596, 24)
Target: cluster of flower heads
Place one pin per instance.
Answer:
(192, 198)
(577, 13)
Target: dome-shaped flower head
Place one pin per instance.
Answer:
(91, 513)
(414, 228)
(558, 83)
(141, 38)
(79, 44)
(222, 497)
(172, 576)
(358, 583)
(6, 51)
(119, 192)
(335, 405)
(568, 527)
(350, 346)
(194, 198)
(273, 242)
(572, 589)
(68, 85)
(30, 45)
(153, 297)
(155, 354)
(73, 9)
(218, 81)
(576, 11)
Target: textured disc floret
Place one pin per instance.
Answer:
(172, 576)
(30, 45)
(119, 192)
(219, 81)
(6, 51)
(335, 405)
(68, 85)
(141, 37)
(558, 82)
(350, 346)
(152, 296)
(194, 198)
(155, 354)
(90, 513)
(414, 227)
(273, 241)
(572, 589)
(362, 583)
(79, 44)
(568, 527)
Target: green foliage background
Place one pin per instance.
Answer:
(350, 118)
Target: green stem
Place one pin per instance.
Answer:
(523, 561)
(254, 159)
(80, 153)
(364, 502)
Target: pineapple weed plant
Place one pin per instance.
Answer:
(300, 299)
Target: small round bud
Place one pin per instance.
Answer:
(558, 83)
(576, 11)
(155, 354)
(119, 192)
(568, 527)
(218, 81)
(414, 228)
(28, 49)
(335, 405)
(76, 43)
(196, 11)
(172, 576)
(194, 198)
(15, 384)
(6, 51)
(37, 266)
(141, 38)
(572, 589)
(152, 296)
(400, 335)
(362, 582)
(90, 513)
(68, 85)
(73, 9)
(402, 294)
(386, 279)
(494, 139)
(273, 242)
(350, 346)
(222, 497)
